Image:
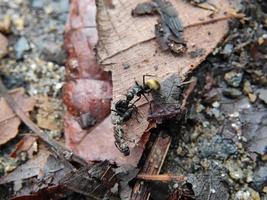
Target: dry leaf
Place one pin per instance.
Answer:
(126, 40)
(9, 123)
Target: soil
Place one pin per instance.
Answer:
(221, 143)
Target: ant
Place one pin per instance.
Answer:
(125, 108)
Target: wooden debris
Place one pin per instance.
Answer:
(152, 166)
(161, 177)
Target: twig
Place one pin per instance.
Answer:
(161, 177)
(226, 17)
(187, 93)
(62, 152)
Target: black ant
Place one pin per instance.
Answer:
(125, 108)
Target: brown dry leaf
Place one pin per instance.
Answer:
(50, 113)
(9, 123)
(101, 144)
(124, 39)
(27, 144)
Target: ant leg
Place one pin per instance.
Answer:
(144, 78)
(135, 109)
(136, 100)
(150, 107)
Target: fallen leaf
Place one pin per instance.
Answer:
(101, 143)
(9, 123)
(27, 144)
(125, 40)
(49, 114)
(87, 91)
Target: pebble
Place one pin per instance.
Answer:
(247, 89)
(233, 78)
(3, 46)
(232, 93)
(53, 52)
(218, 147)
(19, 23)
(38, 3)
(252, 97)
(216, 104)
(235, 171)
(263, 95)
(247, 194)
(227, 50)
(21, 46)
(260, 178)
(5, 24)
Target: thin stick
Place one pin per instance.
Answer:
(161, 177)
(226, 17)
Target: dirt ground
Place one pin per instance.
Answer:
(221, 143)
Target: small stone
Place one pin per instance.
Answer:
(216, 104)
(5, 24)
(260, 40)
(233, 78)
(235, 172)
(125, 65)
(38, 3)
(247, 89)
(211, 96)
(19, 23)
(218, 147)
(227, 50)
(10, 165)
(21, 46)
(180, 151)
(53, 52)
(263, 95)
(260, 178)
(232, 93)
(199, 107)
(247, 194)
(252, 97)
(61, 6)
(3, 46)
